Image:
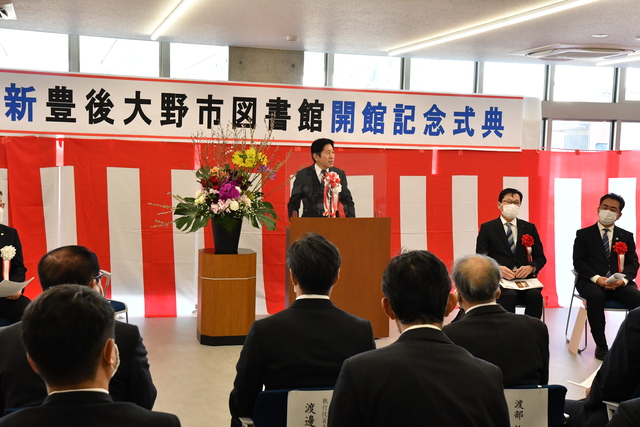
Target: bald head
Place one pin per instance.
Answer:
(68, 265)
(477, 278)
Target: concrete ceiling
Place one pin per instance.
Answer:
(369, 27)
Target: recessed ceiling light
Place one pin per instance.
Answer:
(598, 36)
(637, 38)
(292, 39)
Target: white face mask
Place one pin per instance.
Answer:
(607, 217)
(510, 211)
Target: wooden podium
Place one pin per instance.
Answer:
(226, 296)
(365, 247)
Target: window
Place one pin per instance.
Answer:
(583, 84)
(629, 136)
(100, 55)
(30, 50)
(632, 93)
(199, 62)
(514, 79)
(577, 135)
(313, 74)
(363, 72)
(432, 75)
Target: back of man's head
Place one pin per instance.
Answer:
(68, 265)
(477, 278)
(417, 285)
(65, 331)
(314, 263)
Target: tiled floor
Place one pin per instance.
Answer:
(194, 381)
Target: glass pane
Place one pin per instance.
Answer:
(30, 50)
(632, 92)
(577, 135)
(362, 72)
(313, 74)
(101, 55)
(630, 136)
(199, 62)
(583, 84)
(502, 78)
(433, 75)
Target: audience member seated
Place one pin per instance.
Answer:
(617, 380)
(21, 387)
(600, 251)
(68, 333)
(518, 345)
(422, 379)
(304, 345)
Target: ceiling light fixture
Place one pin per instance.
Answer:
(515, 19)
(635, 56)
(599, 36)
(170, 19)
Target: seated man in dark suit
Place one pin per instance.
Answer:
(309, 187)
(20, 386)
(617, 380)
(627, 414)
(304, 345)
(600, 251)
(68, 333)
(515, 244)
(12, 307)
(518, 345)
(423, 379)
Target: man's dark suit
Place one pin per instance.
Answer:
(627, 414)
(87, 408)
(617, 380)
(20, 386)
(518, 345)
(307, 188)
(589, 259)
(299, 347)
(492, 241)
(422, 379)
(12, 309)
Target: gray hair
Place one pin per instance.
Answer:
(476, 277)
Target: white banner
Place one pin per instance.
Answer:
(69, 104)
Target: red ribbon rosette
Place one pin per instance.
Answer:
(620, 248)
(332, 188)
(527, 242)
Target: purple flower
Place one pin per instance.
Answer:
(263, 168)
(228, 190)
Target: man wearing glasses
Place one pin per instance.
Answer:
(12, 307)
(516, 246)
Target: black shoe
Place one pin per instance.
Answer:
(601, 351)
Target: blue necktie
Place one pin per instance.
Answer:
(605, 241)
(510, 239)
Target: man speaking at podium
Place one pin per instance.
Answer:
(321, 186)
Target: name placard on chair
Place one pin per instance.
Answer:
(308, 408)
(527, 407)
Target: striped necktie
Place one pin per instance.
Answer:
(605, 241)
(510, 239)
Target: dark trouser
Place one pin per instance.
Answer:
(531, 299)
(578, 417)
(12, 309)
(596, 297)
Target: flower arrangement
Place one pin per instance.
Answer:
(332, 188)
(233, 170)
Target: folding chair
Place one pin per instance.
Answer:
(608, 306)
(118, 306)
(279, 408)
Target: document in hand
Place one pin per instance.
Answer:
(8, 288)
(521, 284)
